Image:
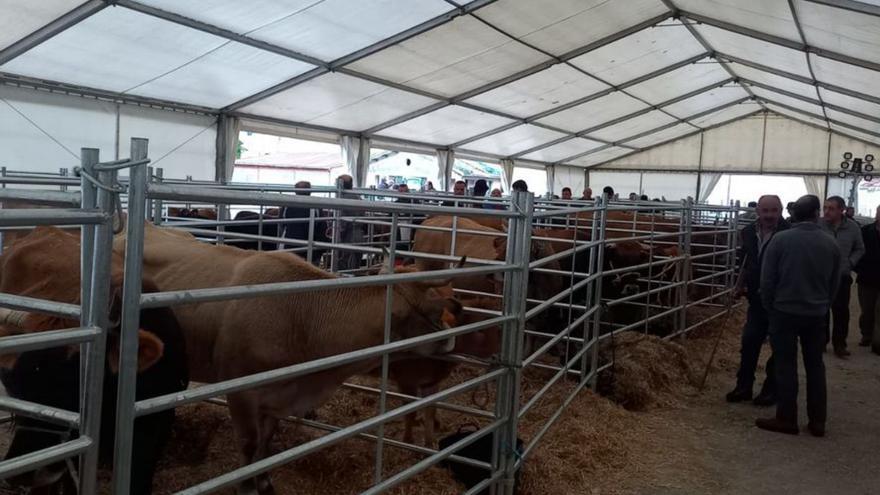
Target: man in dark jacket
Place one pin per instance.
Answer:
(848, 236)
(755, 238)
(799, 277)
(868, 281)
(300, 230)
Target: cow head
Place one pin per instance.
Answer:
(417, 310)
(12, 322)
(51, 377)
(625, 284)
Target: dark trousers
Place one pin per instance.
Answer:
(785, 329)
(753, 336)
(840, 315)
(868, 320)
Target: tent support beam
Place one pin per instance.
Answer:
(776, 40)
(49, 30)
(851, 5)
(363, 53)
(534, 118)
(702, 41)
(799, 78)
(99, 94)
(220, 32)
(803, 36)
(830, 121)
(685, 136)
(585, 133)
(657, 129)
(459, 99)
(811, 101)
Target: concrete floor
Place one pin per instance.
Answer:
(714, 447)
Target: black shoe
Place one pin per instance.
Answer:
(739, 395)
(865, 342)
(765, 399)
(777, 425)
(841, 352)
(816, 429)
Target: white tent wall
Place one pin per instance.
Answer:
(681, 154)
(572, 177)
(181, 144)
(536, 178)
(794, 147)
(763, 144)
(623, 183)
(734, 147)
(43, 132)
(670, 186)
(842, 144)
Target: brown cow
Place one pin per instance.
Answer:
(241, 337)
(45, 264)
(541, 286)
(422, 377)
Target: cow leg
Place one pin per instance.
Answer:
(246, 422)
(268, 427)
(429, 417)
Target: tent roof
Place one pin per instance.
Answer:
(575, 82)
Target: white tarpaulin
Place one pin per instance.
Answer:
(562, 82)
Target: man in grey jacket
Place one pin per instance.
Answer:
(799, 277)
(848, 235)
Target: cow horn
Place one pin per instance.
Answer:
(12, 317)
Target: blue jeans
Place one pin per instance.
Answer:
(753, 336)
(785, 329)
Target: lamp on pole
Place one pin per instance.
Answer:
(856, 169)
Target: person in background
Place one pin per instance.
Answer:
(751, 215)
(633, 196)
(608, 192)
(520, 185)
(644, 197)
(429, 187)
(349, 232)
(492, 205)
(753, 241)
(458, 189)
(850, 212)
(848, 236)
(588, 195)
(297, 230)
(799, 277)
(404, 234)
(480, 188)
(788, 209)
(868, 280)
(566, 193)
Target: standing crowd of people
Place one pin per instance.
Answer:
(796, 275)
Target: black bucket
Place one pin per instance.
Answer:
(480, 450)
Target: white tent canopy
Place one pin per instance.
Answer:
(563, 82)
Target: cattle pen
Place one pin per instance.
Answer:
(549, 289)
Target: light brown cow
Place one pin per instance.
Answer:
(422, 377)
(241, 337)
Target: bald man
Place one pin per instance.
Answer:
(755, 238)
